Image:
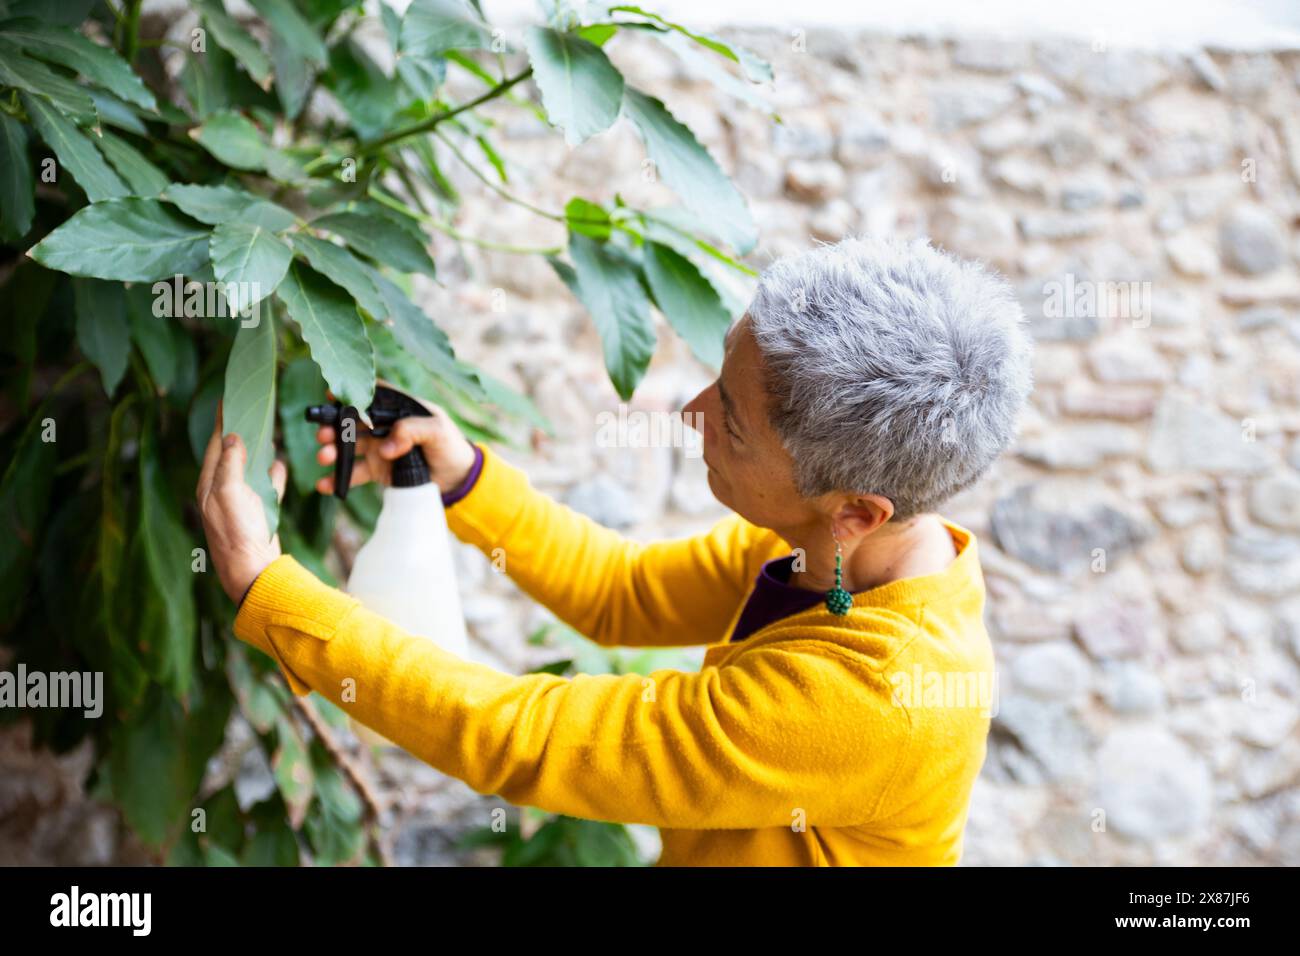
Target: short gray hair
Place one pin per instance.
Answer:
(892, 368)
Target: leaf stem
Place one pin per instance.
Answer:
(444, 227)
(427, 125)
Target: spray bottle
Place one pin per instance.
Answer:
(405, 571)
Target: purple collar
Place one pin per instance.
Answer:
(773, 598)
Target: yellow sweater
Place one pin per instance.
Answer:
(817, 741)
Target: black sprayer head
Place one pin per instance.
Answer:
(388, 406)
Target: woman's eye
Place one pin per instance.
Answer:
(726, 424)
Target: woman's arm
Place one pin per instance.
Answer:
(606, 586)
(800, 730)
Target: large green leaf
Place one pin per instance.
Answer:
(103, 334)
(293, 29)
(158, 758)
(69, 48)
(690, 171)
(235, 40)
(432, 26)
(153, 336)
(333, 330)
(233, 139)
(142, 177)
(127, 675)
(35, 77)
(358, 83)
(692, 306)
(24, 499)
(167, 550)
(293, 77)
(380, 239)
(248, 407)
(218, 204)
(416, 333)
(17, 184)
(250, 260)
(343, 268)
(75, 151)
(301, 385)
(581, 89)
(131, 240)
(608, 284)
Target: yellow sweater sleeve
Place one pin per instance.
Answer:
(737, 746)
(607, 587)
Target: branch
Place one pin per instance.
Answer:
(426, 125)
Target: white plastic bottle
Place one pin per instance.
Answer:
(405, 571)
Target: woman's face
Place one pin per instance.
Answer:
(749, 469)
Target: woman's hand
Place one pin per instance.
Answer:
(234, 520)
(447, 451)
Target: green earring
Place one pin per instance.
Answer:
(838, 600)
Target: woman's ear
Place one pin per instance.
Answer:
(863, 514)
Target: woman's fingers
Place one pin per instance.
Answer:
(360, 475)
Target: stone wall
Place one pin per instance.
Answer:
(1142, 543)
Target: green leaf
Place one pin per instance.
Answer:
(203, 415)
(301, 385)
(692, 306)
(235, 40)
(17, 182)
(292, 770)
(690, 171)
(380, 239)
(114, 112)
(24, 499)
(581, 89)
(141, 176)
(608, 284)
(358, 83)
(35, 77)
(334, 331)
(756, 69)
(248, 407)
(131, 240)
(233, 139)
(157, 761)
(69, 48)
(152, 335)
(103, 334)
(587, 218)
(127, 676)
(598, 33)
(250, 260)
(293, 29)
(259, 701)
(432, 26)
(218, 204)
(417, 333)
(513, 403)
(167, 547)
(75, 151)
(723, 79)
(337, 797)
(274, 843)
(293, 77)
(344, 269)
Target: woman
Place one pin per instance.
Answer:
(832, 722)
